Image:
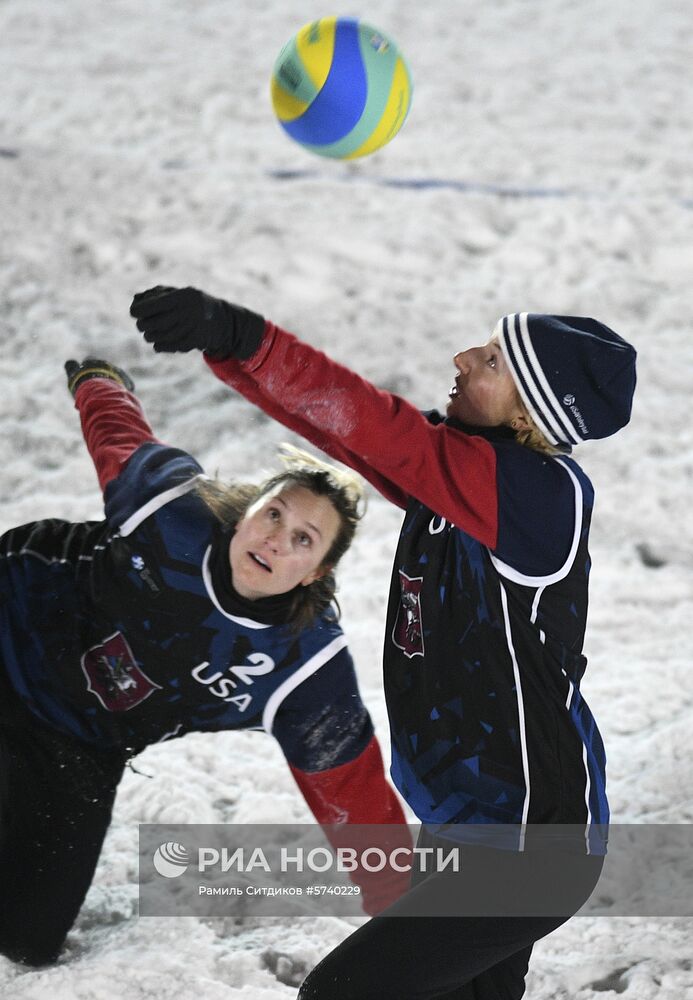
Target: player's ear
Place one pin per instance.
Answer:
(520, 422)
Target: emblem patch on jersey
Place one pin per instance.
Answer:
(113, 675)
(145, 575)
(407, 634)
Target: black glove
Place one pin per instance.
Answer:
(181, 319)
(93, 368)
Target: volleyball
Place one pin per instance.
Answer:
(341, 88)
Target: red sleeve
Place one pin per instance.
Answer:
(357, 808)
(449, 471)
(113, 425)
(233, 373)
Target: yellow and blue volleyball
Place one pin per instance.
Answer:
(341, 88)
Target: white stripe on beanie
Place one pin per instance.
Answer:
(506, 330)
(530, 379)
(558, 412)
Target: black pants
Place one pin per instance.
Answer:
(56, 797)
(402, 955)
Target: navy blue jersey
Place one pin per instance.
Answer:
(112, 630)
(483, 657)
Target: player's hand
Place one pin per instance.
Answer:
(78, 372)
(185, 319)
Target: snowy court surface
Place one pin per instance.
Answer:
(546, 163)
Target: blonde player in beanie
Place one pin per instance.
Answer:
(493, 746)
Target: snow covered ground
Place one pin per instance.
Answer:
(137, 147)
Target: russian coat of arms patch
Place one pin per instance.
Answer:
(114, 676)
(408, 633)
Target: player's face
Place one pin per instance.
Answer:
(484, 392)
(281, 542)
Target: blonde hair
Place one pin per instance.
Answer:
(229, 503)
(531, 436)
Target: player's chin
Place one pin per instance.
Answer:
(453, 409)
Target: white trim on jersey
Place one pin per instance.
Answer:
(588, 780)
(156, 503)
(535, 611)
(207, 578)
(535, 604)
(588, 786)
(316, 661)
(53, 559)
(520, 712)
(515, 576)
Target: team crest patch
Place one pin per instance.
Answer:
(407, 634)
(114, 676)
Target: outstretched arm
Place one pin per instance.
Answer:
(449, 471)
(113, 422)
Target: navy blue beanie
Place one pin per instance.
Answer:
(575, 376)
